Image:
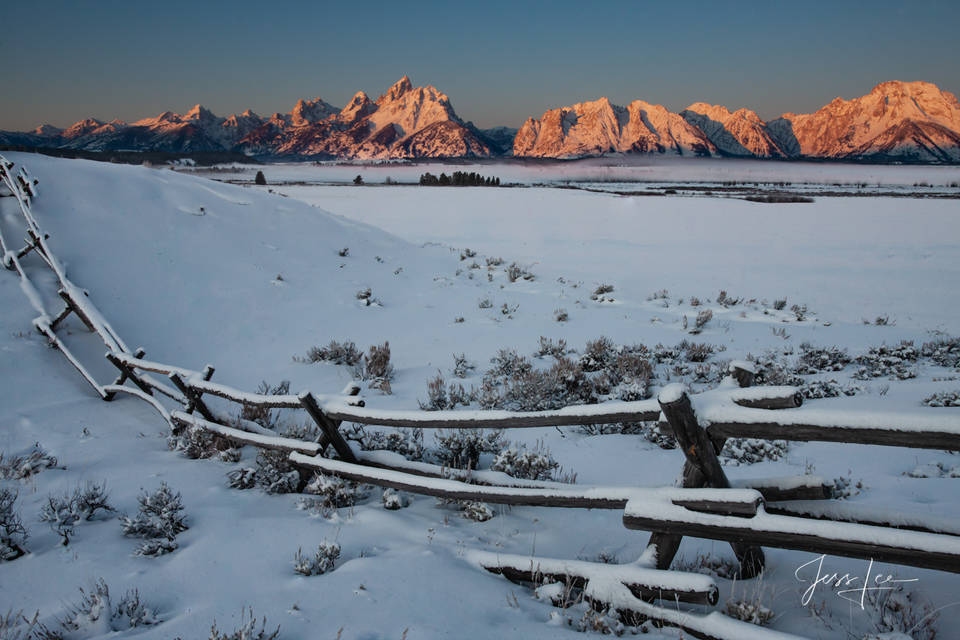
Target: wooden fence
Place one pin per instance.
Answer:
(749, 514)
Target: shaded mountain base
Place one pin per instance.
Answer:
(201, 158)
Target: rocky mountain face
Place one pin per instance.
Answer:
(895, 122)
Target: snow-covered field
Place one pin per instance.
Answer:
(198, 272)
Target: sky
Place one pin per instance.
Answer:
(500, 62)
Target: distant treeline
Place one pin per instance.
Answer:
(200, 158)
(459, 179)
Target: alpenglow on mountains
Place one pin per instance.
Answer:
(895, 122)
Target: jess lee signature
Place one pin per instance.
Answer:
(813, 573)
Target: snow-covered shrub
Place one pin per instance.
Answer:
(376, 368)
(20, 467)
(461, 366)
(780, 304)
(199, 444)
(336, 353)
(90, 498)
(13, 535)
(895, 613)
(242, 478)
(709, 564)
(652, 433)
(737, 451)
(944, 352)
(548, 347)
(696, 351)
(600, 293)
(393, 500)
(406, 442)
(817, 359)
(516, 272)
(560, 315)
(330, 493)
(461, 448)
(95, 613)
(845, 487)
(598, 354)
(727, 300)
(828, 389)
(247, 629)
(799, 312)
(508, 364)
(883, 361)
(517, 461)
(485, 303)
(935, 470)
(437, 399)
(943, 399)
(752, 612)
(16, 626)
(323, 560)
(774, 369)
(703, 318)
(61, 513)
(159, 519)
(275, 473)
(264, 416)
(476, 511)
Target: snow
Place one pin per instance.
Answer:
(199, 289)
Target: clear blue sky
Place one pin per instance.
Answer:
(499, 61)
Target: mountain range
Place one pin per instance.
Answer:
(895, 122)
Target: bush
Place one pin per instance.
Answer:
(61, 513)
(461, 366)
(95, 611)
(600, 293)
(20, 467)
(548, 347)
(476, 511)
(263, 415)
(376, 364)
(739, 451)
(199, 444)
(485, 303)
(247, 629)
(242, 478)
(437, 399)
(13, 535)
(406, 442)
(814, 360)
(518, 462)
(696, 351)
(703, 318)
(516, 272)
(16, 626)
(275, 473)
(334, 493)
(944, 352)
(461, 448)
(561, 315)
(883, 361)
(260, 179)
(393, 500)
(159, 519)
(323, 560)
(598, 354)
(943, 399)
(828, 389)
(336, 353)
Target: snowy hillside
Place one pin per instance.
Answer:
(249, 279)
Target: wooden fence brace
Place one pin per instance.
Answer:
(194, 400)
(126, 373)
(330, 428)
(76, 309)
(702, 468)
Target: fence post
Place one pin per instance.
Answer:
(702, 467)
(193, 398)
(329, 427)
(126, 373)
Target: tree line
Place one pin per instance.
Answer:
(459, 179)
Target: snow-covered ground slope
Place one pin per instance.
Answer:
(197, 271)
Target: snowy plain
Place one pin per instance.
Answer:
(197, 271)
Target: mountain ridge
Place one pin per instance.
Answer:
(895, 122)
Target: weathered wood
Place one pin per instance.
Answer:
(756, 535)
(877, 517)
(881, 435)
(194, 401)
(456, 490)
(786, 402)
(644, 592)
(744, 377)
(275, 443)
(329, 427)
(76, 309)
(808, 492)
(743, 509)
(497, 419)
(701, 453)
(25, 250)
(126, 373)
(67, 310)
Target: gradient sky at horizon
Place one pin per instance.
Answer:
(499, 61)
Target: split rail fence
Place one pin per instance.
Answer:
(790, 513)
